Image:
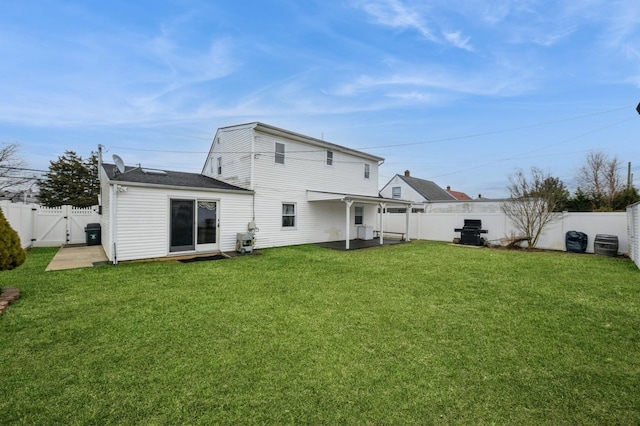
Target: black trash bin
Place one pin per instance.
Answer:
(93, 231)
(576, 242)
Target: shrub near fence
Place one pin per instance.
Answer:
(40, 226)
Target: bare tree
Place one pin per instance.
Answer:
(532, 202)
(600, 178)
(12, 173)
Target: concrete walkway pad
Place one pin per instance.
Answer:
(76, 257)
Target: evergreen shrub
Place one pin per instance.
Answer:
(12, 254)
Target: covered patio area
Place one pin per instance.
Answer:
(359, 244)
(348, 201)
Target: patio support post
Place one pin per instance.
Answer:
(382, 215)
(406, 231)
(348, 204)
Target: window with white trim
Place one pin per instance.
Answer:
(219, 165)
(359, 215)
(396, 191)
(367, 171)
(329, 158)
(279, 154)
(288, 215)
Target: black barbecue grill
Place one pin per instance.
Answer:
(470, 232)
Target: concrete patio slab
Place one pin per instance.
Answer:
(72, 257)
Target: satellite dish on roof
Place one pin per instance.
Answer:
(119, 163)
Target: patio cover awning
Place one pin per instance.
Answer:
(349, 199)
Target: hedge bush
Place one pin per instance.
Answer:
(12, 254)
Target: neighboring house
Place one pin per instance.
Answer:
(26, 196)
(460, 196)
(288, 188)
(419, 191)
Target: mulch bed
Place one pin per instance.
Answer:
(8, 296)
(203, 258)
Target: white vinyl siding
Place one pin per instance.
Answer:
(143, 219)
(306, 170)
(234, 147)
(274, 184)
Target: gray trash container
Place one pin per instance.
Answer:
(94, 232)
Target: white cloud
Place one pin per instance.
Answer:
(393, 13)
(503, 81)
(400, 15)
(456, 39)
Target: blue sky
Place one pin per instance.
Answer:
(461, 92)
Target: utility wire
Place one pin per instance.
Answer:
(534, 150)
(474, 135)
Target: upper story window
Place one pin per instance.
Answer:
(367, 171)
(396, 192)
(279, 153)
(219, 165)
(329, 158)
(288, 215)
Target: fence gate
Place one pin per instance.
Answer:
(55, 226)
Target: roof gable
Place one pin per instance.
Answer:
(276, 131)
(428, 189)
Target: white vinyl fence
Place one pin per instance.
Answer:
(40, 226)
(440, 227)
(633, 225)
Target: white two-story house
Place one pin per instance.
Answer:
(285, 187)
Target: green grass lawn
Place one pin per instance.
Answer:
(419, 333)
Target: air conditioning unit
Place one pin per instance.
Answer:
(244, 242)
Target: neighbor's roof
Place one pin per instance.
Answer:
(461, 196)
(276, 131)
(428, 189)
(155, 177)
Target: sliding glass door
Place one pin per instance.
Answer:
(182, 219)
(194, 225)
(207, 225)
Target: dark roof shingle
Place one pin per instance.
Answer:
(167, 178)
(428, 189)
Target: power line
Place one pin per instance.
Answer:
(24, 169)
(521, 157)
(394, 145)
(498, 131)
